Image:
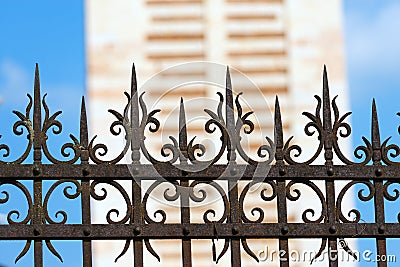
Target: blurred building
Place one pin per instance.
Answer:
(280, 45)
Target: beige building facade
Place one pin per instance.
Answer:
(273, 47)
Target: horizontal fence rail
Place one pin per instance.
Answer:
(84, 168)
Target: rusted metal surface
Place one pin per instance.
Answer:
(85, 168)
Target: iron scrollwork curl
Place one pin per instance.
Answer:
(123, 193)
(360, 195)
(297, 196)
(248, 250)
(390, 152)
(154, 126)
(28, 216)
(63, 214)
(52, 249)
(391, 197)
(248, 127)
(193, 151)
(52, 122)
(263, 196)
(203, 192)
(218, 121)
(315, 123)
(24, 250)
(255, 210)
(206, 214)
(343, 129)
(321, 249)
(160, 212)
(102, 149)
(23, 122)
(29, 202)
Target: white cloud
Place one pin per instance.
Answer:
(14, 82)
(373, 42)
(3, 218)
(13, 73)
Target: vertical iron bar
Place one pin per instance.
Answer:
(281, 184)
(235, 216)
(138, 221)
(327, 137)
(136, 183)
(37, 161)
(282, 218)
(332, 242)
(85, 183)
(380, 218)
(184, 196)
(379, 189)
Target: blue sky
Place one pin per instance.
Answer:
(373, 63)
(52, 33)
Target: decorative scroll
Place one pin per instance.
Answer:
(84, 170)
(297, 194)
(102, 149)
(364, 198)
(52, 122)
(103, 196)
(24, 122)
(28, 199)
(67, 194)
(264, 197)
(320, 124)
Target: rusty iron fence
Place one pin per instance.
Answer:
(85, 168)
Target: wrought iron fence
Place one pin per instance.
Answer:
(86, 168)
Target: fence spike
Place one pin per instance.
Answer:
(327, 120)
(375, 136)
(182, 133)
(278, 132)
(230, 118)
(37, 118)
(83, 132)
(135, 136)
